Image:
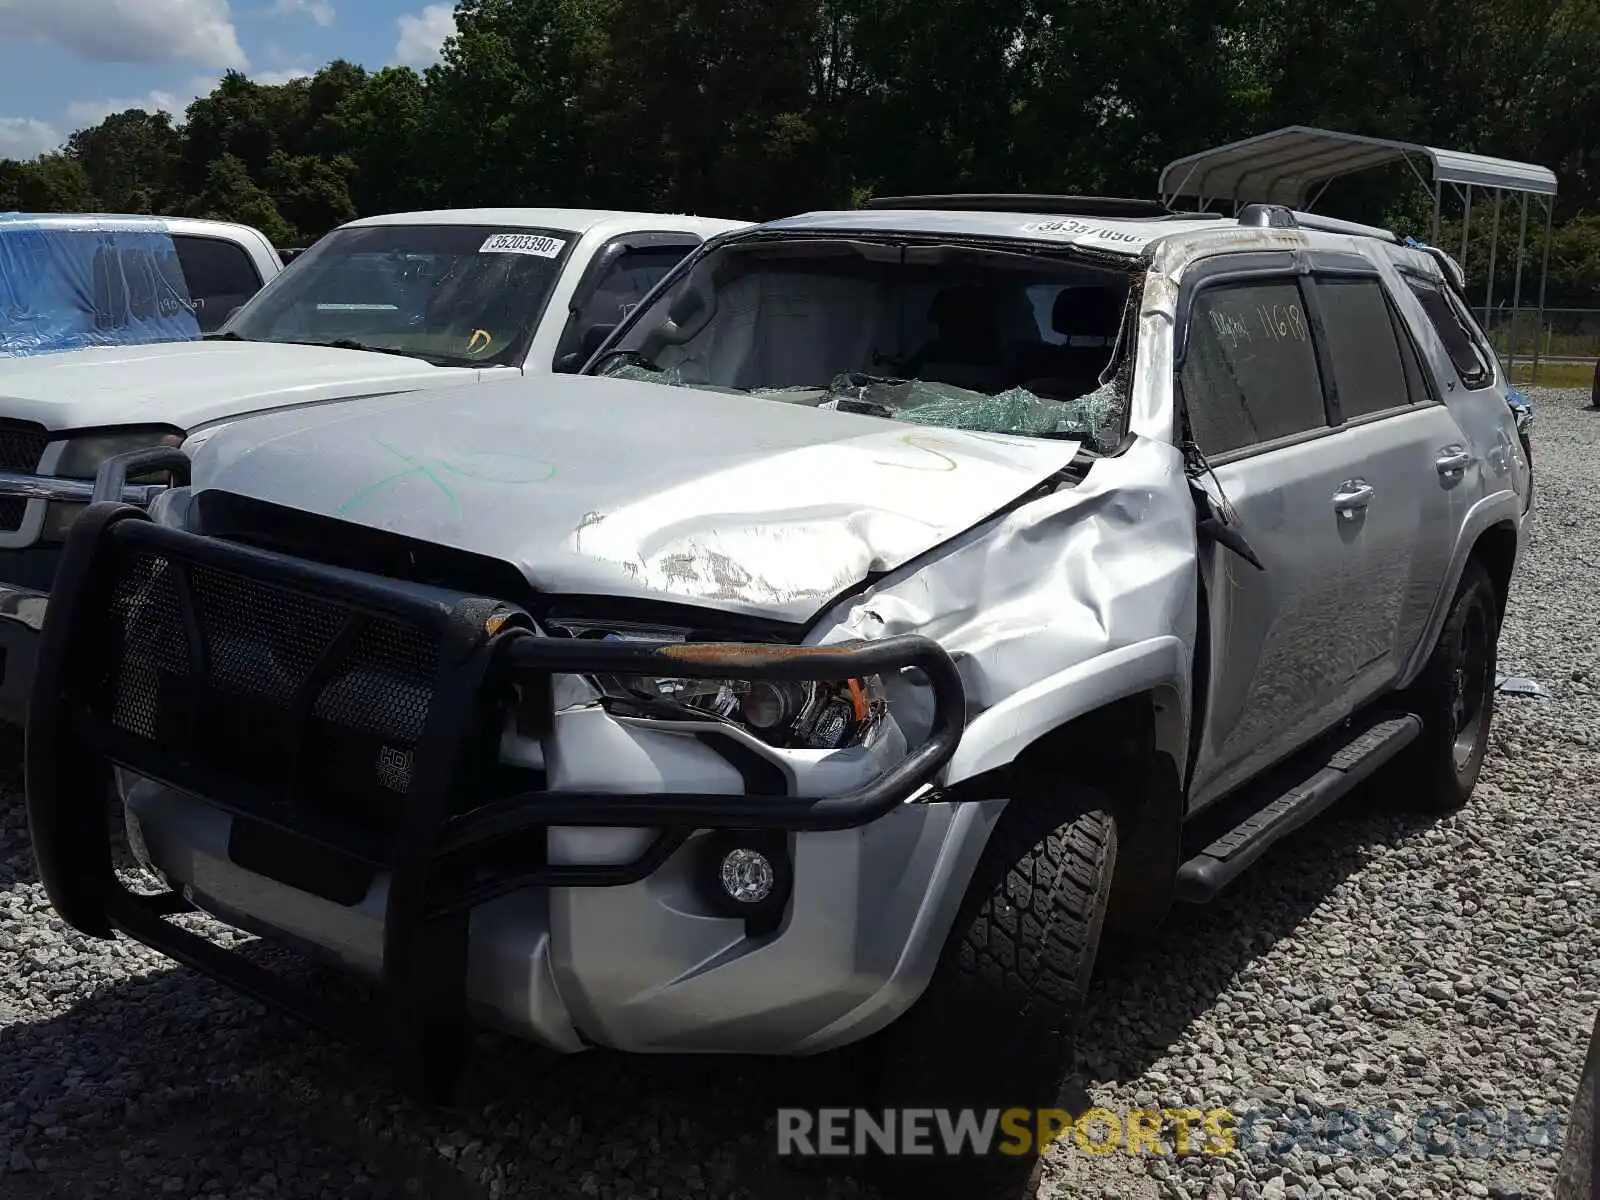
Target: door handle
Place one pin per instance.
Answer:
(1352, 497)
(1453, 460)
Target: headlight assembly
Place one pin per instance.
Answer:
(783, 713)
(81, 458)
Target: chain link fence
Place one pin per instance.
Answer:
(1566, 334)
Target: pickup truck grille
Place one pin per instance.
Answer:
(21, 447)
(296, 698)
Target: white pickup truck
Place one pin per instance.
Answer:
(381, 306)
(74, 280)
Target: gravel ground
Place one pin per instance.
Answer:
(1437, 978)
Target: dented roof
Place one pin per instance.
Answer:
(1118, 235)
(1132, 237)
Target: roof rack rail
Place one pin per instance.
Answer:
(1075, 206)
(1337, 225)
(1281, 216)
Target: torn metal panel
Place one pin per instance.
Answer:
(732, 502)
(1091, 568)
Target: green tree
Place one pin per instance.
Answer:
(49, 183)
(758, 109)
(383, 129)
(506, 120)
(707, 107)
(129, 159)
(231, 195)
(312, 194)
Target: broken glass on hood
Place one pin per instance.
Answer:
(1093, 417)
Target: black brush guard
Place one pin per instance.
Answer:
(144, 662)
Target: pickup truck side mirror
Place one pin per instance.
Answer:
(593, 338)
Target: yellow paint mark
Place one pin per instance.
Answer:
(920, 442)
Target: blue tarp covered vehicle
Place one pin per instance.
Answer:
(93, 281)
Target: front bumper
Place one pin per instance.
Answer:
(30, 571)
(381, 829)
(22, 612)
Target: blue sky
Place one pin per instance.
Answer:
(65, 64)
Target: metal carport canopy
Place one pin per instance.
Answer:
(1287, 165)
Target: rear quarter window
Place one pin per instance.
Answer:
(1468, 353)
(220, 276)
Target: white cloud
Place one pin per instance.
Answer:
(23, 137)
(319, 11)
(423, 34)
(81, 114)
(144, 31)
(274, 78)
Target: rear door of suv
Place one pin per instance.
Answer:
(1392, 422)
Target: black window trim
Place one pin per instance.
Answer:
(1478, 340)
(1252, 268)
(1430, 384)
(1322, 268)
(602, 261)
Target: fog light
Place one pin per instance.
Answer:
(747, 875)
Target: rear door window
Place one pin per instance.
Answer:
(1363, 346)
(220, 275)
(1250, 374)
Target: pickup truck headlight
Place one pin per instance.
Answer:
(783, 713)
(81, 459)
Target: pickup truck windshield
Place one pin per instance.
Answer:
(961, 336)
(456, 295)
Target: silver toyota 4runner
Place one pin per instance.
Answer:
(932, 594)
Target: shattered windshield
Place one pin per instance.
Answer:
(455, 295)
(959, 337)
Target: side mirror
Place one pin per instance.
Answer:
(593, 338)
(588, 342)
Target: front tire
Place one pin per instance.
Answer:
(996, 1027)
(1454, 697)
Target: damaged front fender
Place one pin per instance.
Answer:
(1054, 609)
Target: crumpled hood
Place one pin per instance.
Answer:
(609, 487)
(188, 384)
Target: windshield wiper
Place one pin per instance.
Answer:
(438, 360)
(352, 344)
(226, 335)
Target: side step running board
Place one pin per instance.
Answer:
(1304, 789)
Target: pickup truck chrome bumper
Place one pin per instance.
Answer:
(74, 491)
(347, 792)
